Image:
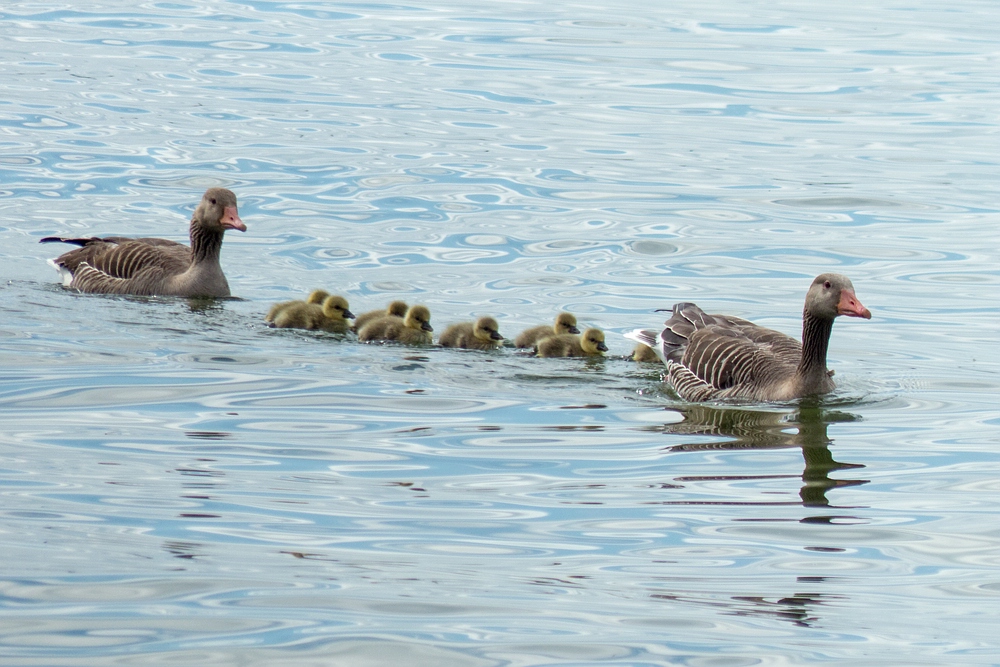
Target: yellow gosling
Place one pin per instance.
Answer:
(644, 353)
(394, 309)
(316, 296)
(565, 324)
(482, 334)
(414, 329)
(334, 315)
(589, 343)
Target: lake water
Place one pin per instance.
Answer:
(183, 486)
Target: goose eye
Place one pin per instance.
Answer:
(827, 284)
(213, 201)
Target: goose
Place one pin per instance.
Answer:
(565, 324)
(316, 296)
(333, 316)
(151, 266)
(394, 309)
(588, 344)
(720, 357)
(414, 329)
(482, 334)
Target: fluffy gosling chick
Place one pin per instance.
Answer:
(336, 315)
(644, 353)
(565, 324)
(479, 335)
(333, 315)
(414, 329)
(589, 343)
(316, 296)
(394, 309)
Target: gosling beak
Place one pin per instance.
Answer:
(231, 219)
(850, 306)
(348, 315)
(573, 330)
(426, 326)
(495, 335)
(602, 347)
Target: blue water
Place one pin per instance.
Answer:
(183, 485)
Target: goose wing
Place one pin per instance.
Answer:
(124, 258)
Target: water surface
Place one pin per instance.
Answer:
(183, 485)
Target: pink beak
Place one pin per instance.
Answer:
(231, 219)
(850, 306)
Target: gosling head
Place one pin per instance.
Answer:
(397, 309)
(418, 317)
(486, 329)
(592, 341)
(565, 323)
(335, 307)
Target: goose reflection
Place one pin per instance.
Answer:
(755, 429)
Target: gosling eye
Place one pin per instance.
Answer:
(213, 201)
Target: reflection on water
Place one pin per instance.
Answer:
(806, 428)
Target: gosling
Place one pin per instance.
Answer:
(644, 353)
(394, 309)
(316, 296)
(588, 344)
(414, 329)
(482, 334)
(333, 316)
(565, 324)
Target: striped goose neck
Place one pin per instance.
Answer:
(205, 243)
(815, 341)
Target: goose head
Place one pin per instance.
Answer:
(832, 295)
(418, 317)
(565, 323)
(217, 211)
(486, 330)
(592, 341)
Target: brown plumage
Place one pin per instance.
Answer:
(316, 296)
(482, 334)
(565, 323)
(394, 309)
(333, 316)
(587, 344)
(718, 356)
(152, 266)
(414, 329)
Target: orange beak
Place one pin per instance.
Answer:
(850, 306)
(231, 219)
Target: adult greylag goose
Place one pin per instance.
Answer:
(317, 296)
(414, 329)
(483, 334)
(333, 316)
(394, 309)
(565, 324)
(718, 356)
(151, 266)
(588, 344)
